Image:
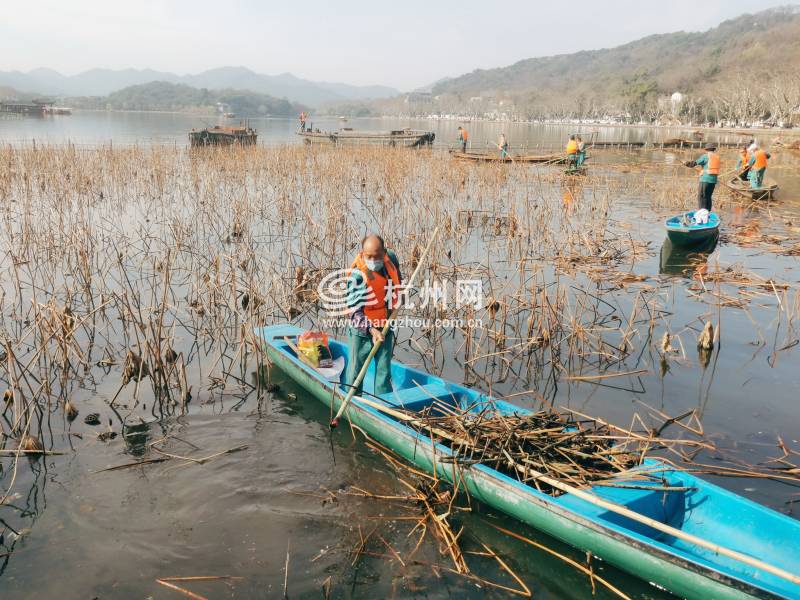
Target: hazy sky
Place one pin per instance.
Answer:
(402, 43)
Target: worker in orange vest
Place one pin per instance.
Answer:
(743, 165)
(373, 291)
(758, 166)
(710, 164)
(463, 136)
(303, 121)
(572, 151)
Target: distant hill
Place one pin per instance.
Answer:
(714, 64)
(166, 96)
(101, 82)
(9, 93)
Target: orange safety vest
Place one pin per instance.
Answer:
(302, 116)
(745, 158)
(572, 147)
(375, 309)
(761, 160)
(714, 163)
(464, 135)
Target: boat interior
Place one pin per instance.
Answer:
(684, 221)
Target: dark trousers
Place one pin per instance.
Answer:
(464, 146)
(704, 193)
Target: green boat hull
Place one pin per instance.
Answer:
(692, 239)
(490, 487)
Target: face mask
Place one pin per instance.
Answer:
(373, 265)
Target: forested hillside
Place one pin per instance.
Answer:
(747, 68)
(161, 95)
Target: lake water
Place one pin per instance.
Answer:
(71, 529)
(101, 127)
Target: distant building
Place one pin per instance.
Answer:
(419, 98)
(675, 102)
(35, 107)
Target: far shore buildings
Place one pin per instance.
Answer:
(33, 108)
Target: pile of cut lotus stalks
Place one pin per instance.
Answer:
(548, 449)
(546, 445)
(525, 446)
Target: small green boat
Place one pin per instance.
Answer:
(743, 188)
(692, 508)
(554, 159)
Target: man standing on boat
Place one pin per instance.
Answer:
(572, 151)
(581, 152)
(373, 289)
(710, 164)
(503, 145)
(758, 166)
(303, 121)
(743, 166)
(463, 136)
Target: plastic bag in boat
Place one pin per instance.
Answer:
(313, 345)
(333, 373)
(700, 217)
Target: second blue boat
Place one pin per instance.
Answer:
(683, 231)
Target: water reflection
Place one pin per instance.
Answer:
(136, 437)
(685, 262)
(21, 509)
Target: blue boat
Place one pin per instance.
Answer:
(682, 231)
(693, 506)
